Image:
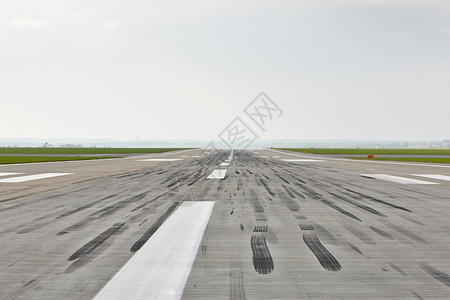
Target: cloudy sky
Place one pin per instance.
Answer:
(374, 69)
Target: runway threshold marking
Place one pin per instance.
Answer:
(398, 179)
(160, 269)
(160, 159)
(434, 176)
(217, 174)
(8, 174)
(32, 177)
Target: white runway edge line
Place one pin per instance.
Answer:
(434, 176)
(160, 269)
(160, 159)
(367, 161)
(32, 177)
(301, 160)
(8, 174)
(217, 174)
(398, 179)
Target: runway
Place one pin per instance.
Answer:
(268, 225)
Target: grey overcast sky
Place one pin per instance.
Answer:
(374, 69)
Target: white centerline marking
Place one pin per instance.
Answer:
(217, 174)
(398, 179)
(160, 269)
(160, 159)
(301, 160)
(225, 164)
(8, 174)
(434, 176)
(32, 177)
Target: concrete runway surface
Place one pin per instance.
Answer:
(280, 225)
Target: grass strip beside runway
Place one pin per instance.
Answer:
(441, 160)
(369, 151)
(35, 159)
(30, 150)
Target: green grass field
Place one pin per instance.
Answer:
(441, 160)
(34, 159)
(85, 150)
(370, 151)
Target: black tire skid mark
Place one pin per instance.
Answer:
(416, 295)
(440, 276)
(288, 191)
(396, 268)
(297, 193)
(354, 248)
(360, 235)
(341, 210)
(97, 241)
(412, 220)
(382, 232)
(290, 204)
(102, 213)
(262, 259)
(95, 247)
(155, 226)
(405, 232)
(236, 275)
(325, 234)
(149, 202)
(306, 226)
(260, 228)
(89, 205)
(359, 205)
(325, 258)
(309, 191)
(86, 259)
(261, 218)
(378, 201)
(271, 193)
(282, 178)
(28, 285)
(107, 211)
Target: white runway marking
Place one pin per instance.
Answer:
(434, 176)
(225, 164)
(195, 155)
(32, 177)
(264, 156)
(184, 156)
(301, 160)
(398, 179)
(8, 174)
(160, 159)
(370, 161)
(160, 269)
(275, 156)
(217, 174)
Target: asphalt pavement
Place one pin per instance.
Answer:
(279, 225)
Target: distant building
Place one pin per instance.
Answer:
(47, 145)
(71, 146)
(446, 143)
